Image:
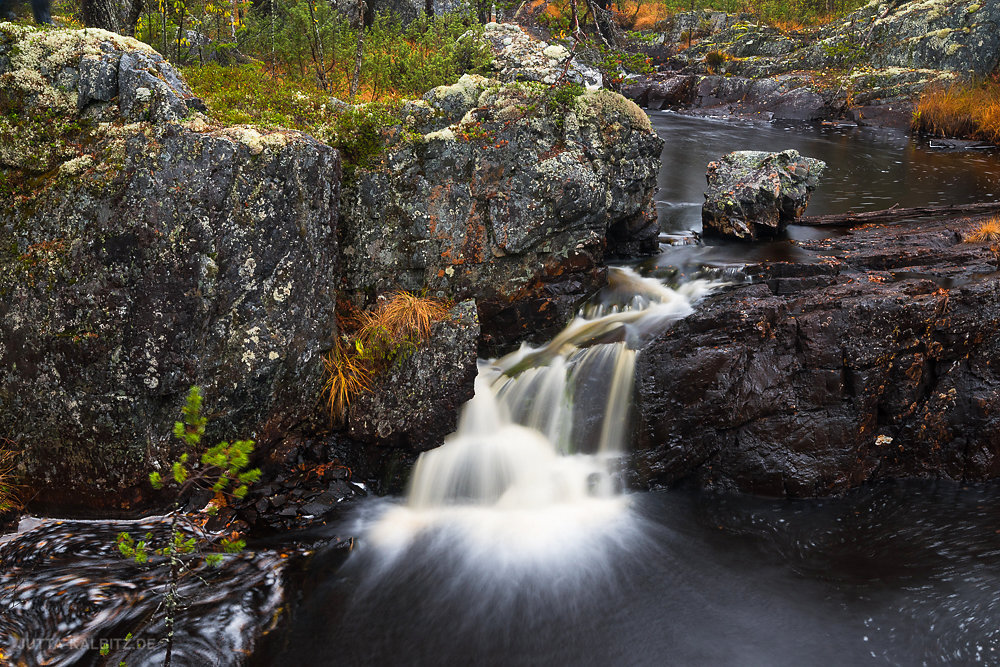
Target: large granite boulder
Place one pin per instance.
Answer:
(753, 194)
(875, 360)
(516, 204)
(139, 256)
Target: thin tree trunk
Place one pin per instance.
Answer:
(597, 22)
(359, 52)
(113, 15)
(319, 59)
(575, 18)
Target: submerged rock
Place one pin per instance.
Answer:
(878, 360)
(753, 194)
(516, 204)
(140, 258)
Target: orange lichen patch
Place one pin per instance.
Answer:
(960, 110)
(988, 231)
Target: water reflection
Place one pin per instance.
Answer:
(867, 169)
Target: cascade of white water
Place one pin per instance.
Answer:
(535, 446)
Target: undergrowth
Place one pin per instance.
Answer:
(249, 94)
(968, 110)
(376, 339)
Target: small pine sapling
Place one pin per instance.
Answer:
(223, 469)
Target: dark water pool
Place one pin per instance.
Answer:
(900, 574)
(867, 169)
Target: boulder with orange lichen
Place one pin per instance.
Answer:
(516, 204)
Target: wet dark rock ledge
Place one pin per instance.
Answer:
(878, 361)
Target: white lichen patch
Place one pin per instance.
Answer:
(445, 134)
(250, 343)
(76, 166)
(255, 141)
(281, 293)
(466, 90)
(603, 103)
(556, 52)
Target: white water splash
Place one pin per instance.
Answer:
(529, 472)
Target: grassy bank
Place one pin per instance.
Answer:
(963, 110)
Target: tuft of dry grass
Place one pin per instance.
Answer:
(346, 377)
(404, 315)
(9, 500)
(960, 110)
(395, 326)
(988, 231)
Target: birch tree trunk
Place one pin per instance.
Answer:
(360, 51)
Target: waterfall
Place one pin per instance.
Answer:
(532, 460)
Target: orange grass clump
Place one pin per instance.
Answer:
(960, 110)
(988, 231)
(8, 490)
(397, 323)
(639, 15)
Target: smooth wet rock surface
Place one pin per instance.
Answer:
(878, 361)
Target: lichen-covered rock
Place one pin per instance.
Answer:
(138, 259)
(515, 205)
(517, 56)
(754, 194)
(888, 52)
(415, 404)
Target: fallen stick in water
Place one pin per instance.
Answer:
(895, 213)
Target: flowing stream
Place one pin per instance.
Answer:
(515, 544)
(529, 472)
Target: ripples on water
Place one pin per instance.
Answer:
(899, 574)
(65, 590)
(867, 169)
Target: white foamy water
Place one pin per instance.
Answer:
(529, 473)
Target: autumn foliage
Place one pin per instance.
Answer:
(381, 336)
(960, 110)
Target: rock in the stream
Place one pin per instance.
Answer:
(877, 360)
(754, 194)
(515, 204)
(140, 258)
